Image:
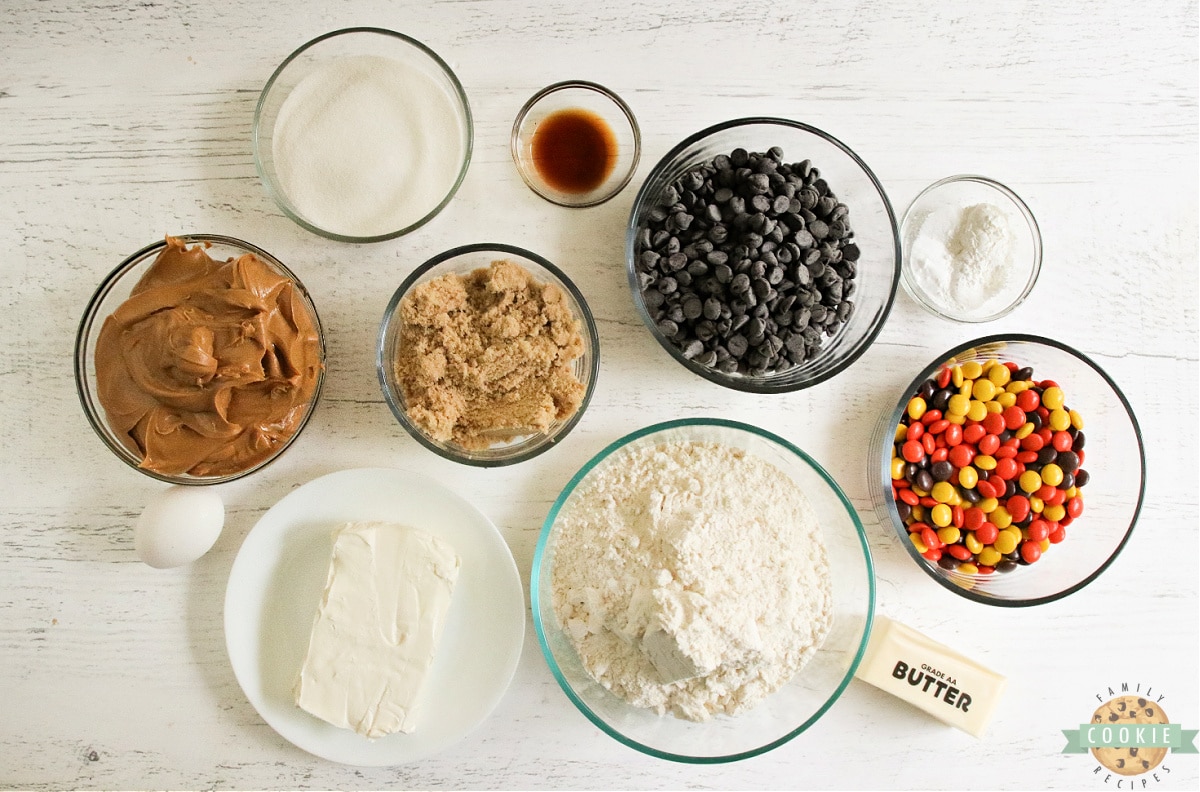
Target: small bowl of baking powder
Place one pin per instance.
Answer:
(972, 249)
(362, 135)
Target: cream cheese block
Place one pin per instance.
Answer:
(377, 628)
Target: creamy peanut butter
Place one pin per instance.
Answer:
(209, 367)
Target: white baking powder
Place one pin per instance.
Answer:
(963, 258)
(691, 578)
(367, 145)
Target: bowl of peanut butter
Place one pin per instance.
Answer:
(199, 359)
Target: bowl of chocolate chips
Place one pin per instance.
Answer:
(763, 254)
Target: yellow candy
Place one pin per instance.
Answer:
(1060, 420)
(1072, 492)
(968, 569)
(1055, 512)
(989, 556)
(956, 376)
(999, 374)
(1052, 474)
(916, 408)
(958, 404)
(1036, 504)
(1052, 398)
(973, 544)
(1000, 517)
(1024, 430)
(949, 535)
(1006, 399)
(941, 515)
(1044, 544)
(1005, 543)
(977, 410)
(918, 491)
(985, 462)
(984, 390)
(965, 388)
(972, 369)
(955, 419)
(898, 468)
(1076, 419)
(942, 492)
(901, 433)
(988, 505)
(1030, 481)
(967, 477)
(994, 406)
(915, 538)
(1016, 386)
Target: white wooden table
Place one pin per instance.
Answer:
(120, 122)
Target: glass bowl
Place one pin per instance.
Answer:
(319, 125)
(1114, 460)
(576, 143)
(872, 222)
(931, 280)
(461, 261)
(116, 288)
(783, 714)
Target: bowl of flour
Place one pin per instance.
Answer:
(972, 249)
(362, 135)
(702, 590)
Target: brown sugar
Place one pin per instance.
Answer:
(488, 356)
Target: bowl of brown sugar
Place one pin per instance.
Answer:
(487, 354)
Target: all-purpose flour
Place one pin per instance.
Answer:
(692, 578)
(367, 145)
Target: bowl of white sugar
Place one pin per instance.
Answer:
(972, 249)
(702, 590)
(362, 135)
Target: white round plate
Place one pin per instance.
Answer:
(278, 578)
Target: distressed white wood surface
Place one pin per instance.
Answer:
(120, 122)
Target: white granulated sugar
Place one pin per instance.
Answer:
(963, 258)
(367, 145)
(692, 578)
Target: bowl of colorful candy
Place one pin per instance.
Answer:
(702, 590)
(763, 254)
(1012, 469)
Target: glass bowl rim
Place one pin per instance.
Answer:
(515, 138)
(392, 311)
(277, 195)
(918, 294)
(84, 332)
(741, 382)
(535, 588)
(893, 417)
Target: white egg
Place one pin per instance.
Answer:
(178, 526)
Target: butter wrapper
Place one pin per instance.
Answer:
(931, 676)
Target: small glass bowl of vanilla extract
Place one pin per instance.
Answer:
(576, 143)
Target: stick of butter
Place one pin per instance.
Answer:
(930, 676)
(377, 627)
